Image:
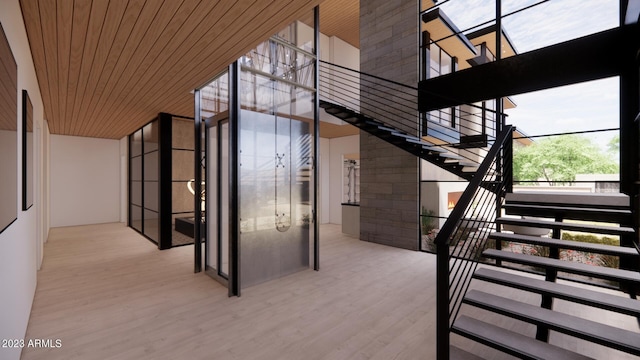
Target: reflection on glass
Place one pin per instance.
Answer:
(136, 168)
(151, 225)
(136, 193)
(215, 97)
(182, 164)
(150, 135)
(150, 190)
(182, 160)
(275, 154)
(136, 217)
(274, 194)
(143, 180)
(8, 134)
(151, 165)
(211, 257)
(224, 198)
(136, 143)
(151, 195)
(27, 151)
(281, 61)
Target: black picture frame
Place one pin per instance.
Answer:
(27, 151)
(8, 134)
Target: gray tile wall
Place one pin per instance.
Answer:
(389, 177)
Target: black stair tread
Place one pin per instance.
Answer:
(385, 129)
(510, 342)
(597, 299)
(402, 134)
(599, 229)
(371, 122)
(566, 266)
(467, 164)
(565, 244)
(417, 140)
(620, 339)
(455, 353)
(385, 132)
(340, 112)
(607, 200)
(425, 145)
(451, 156)
(578, 213)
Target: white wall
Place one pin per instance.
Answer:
(19, 243)
(124, 177)
(43, 184)
(343, 53)
(325, 179)
(85, 178)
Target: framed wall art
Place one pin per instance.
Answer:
(8, 134)
(27, 151)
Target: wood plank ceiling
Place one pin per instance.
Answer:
(105, 68)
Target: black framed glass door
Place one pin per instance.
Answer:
(217, 190)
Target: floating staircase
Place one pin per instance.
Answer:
(550, 210)
(437, 155)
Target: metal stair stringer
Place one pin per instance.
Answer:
(438, 156)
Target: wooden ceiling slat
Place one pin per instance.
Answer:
(7, 106)
(6, 65)
(50, 43)
(196, 26)
(127, 24)
(7, 88)
(81, 15)
(224, 26)
(31, 15)
(150, 13)
(107, 67)
(268, 12)
(112, 23)
(202, 50)
(8, 85)
(181, 21)
(171, 15)
(182, 105)
(96, 19)
(342, 19)
(7, 95)
(64, 29)
(186, 84)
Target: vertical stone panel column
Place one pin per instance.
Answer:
(389, 176)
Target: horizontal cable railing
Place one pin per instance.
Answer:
(396, 105)
(348, 81)
(464, 235)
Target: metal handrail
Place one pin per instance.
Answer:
(395, 105)
(464, 263)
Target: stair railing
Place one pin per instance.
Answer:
(396, 105)
(464, 234)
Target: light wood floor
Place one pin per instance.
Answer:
(108, 293)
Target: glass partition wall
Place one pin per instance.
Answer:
(144, 181)
(261, 121)
(161, 198)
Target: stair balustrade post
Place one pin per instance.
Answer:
(442, 300)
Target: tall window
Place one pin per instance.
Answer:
(441, 63)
